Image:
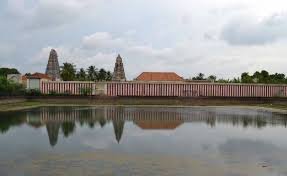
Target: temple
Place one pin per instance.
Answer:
(119, 72)
(53, 68)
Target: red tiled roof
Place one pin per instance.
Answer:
(159, 76)
(40, 76)
(24, 78)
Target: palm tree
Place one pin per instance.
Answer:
(92, 73)
(81, 75)
(68, 72)
(200, 76)
(102, 75)
(109, 76)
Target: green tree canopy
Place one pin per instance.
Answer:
(92, 73)
(109, 76)
(212, 78)
(262, 77)
(200, 76)
(246, 78)
(10, 88)
(81, 75)
(5, 71)
(68, 72)
(102, 75)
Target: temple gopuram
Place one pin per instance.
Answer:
(53, 68)
(119, 71)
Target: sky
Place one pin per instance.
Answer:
(219, 37)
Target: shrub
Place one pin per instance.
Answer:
(53, 93)
(67, 93)
(33, 92)
(86, 91)
(8, 88)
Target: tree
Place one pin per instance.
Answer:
(102, 75)
(81, 75)
(278, 78)
(6, 71)
(264, 77)
(257, 77)
(10, 88)
(212, 78)
(92, 73)
(223, 80)
(200, 76)
(109, 76)
(245, 78)
(68, 72)
(235, 80)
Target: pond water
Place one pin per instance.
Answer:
(143, 141)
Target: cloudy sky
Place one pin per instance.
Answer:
(221, 37)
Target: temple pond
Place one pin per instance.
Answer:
(229, 141)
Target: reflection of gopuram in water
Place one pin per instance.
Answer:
(53, 132)
(118, 129)
(66, 118)
(118, 123)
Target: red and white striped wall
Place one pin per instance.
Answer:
(67, 87)
(159, 89)
(195, 90)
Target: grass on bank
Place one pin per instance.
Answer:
(19, 106)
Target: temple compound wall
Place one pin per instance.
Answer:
(163, 89)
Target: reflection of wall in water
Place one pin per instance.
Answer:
(157, 115)
(145, 118)
(175, 116)
(66, 114)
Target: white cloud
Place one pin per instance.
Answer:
(247, 31)
(44, 14)
(103, 40)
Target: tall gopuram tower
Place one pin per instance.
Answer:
(53, 68)
(119, 71)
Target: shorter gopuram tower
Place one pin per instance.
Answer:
(53, 68)
(119, 71)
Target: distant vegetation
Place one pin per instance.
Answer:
(6, 71)
(262, 77)
(8, 88)
(69, 73)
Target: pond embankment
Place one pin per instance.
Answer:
(9, 100)
(17, 103)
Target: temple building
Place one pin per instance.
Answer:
(33, 81)
(119, 71)
(53, 68)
